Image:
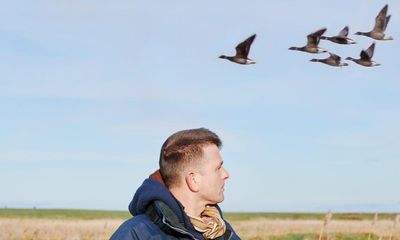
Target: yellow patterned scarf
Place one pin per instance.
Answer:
(210, 223)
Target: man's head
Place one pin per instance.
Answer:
(183, 149)
(192, 157)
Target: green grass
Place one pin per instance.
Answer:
(308, 216)
(312, 236)
(62, 213)
(100, 214)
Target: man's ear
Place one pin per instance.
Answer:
(192, 181)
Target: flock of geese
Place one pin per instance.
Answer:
(313, 39)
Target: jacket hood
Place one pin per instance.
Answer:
(153, 189)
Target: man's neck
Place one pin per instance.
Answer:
(192, 206)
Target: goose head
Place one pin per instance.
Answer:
(360, 33)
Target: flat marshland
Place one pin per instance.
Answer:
(38, 224)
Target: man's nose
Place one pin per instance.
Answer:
(225, 174)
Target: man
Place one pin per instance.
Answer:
(180, 200)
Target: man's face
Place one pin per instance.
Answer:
(212, 175)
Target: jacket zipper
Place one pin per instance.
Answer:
(178, 229)
(230, 236)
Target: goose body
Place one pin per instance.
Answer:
(312, 43)
(381, 22)
(365, 57)
(333, 60)
(242, 51)
(341, 38)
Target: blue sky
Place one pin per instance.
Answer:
(91, 89)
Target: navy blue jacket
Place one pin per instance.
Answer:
(158, 215)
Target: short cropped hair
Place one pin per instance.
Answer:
(182, 149)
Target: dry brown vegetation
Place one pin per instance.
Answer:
(44, 229)
(261, 228)
(264, 228)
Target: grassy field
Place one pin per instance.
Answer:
(308, 216)
(101, 214)
(62, 214)
(57, 224)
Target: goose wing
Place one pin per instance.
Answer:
(243, 48)
(367, 54)
(335, 57)
(380, 20)
(313, 38)
(344, 32)
(386, 23)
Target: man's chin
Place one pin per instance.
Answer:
(217, 201)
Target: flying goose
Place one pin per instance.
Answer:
(341, 38)
(381, 22)
(365, 57)
(242, 51)
(312, 43)
(332, 60)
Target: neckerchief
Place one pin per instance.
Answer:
(210, 223)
